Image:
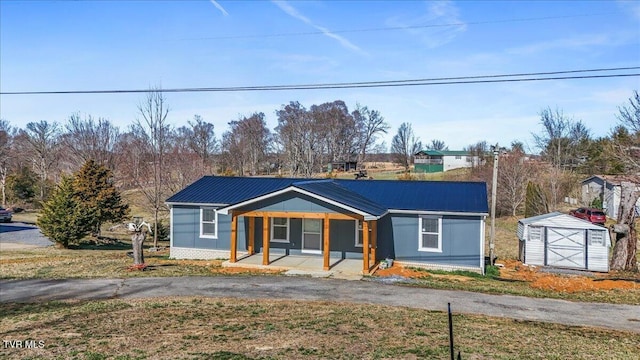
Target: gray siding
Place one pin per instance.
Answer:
(398, 238)
(293, 201)
(186, 230)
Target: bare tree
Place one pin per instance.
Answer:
(514, 173)
(202, 140)
(6, 138)
(90, 139)
(335, 131)
(42, 140)
(478, 153)
(369, 124)
(437, 145)
(296, 133)
(626, 148)
(564, 142)
(153, 133)
(405, 145)
(245, 144)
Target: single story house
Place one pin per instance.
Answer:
(608, 189)
(425, 223)
(431, 161)
(562, 240)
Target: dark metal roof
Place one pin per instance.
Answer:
(371, 196)
(331, 190)
(228, 190)
(443, 196)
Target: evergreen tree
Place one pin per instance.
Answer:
(95, 191)
(535, 203)
(63, 218)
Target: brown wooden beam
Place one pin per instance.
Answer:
(374, 240)
(234, 237)
(301, 215)
(252, 235)
(265, 240)
(327, 249)
(365, 246)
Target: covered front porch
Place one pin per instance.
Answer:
(321, 241)
(350, 269)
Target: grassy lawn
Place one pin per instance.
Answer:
(200, 328)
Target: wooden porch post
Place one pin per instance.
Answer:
(265, 240)
(365, 246)
(234, 238)
(374, 240)
(326, 248)
(252, 235)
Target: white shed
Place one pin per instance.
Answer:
(561, 240)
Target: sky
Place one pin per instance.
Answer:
(135, 45)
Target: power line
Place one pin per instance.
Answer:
(480, 79)
(389, 28)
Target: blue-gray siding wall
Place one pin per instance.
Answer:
(186, 230)
(398, 238)
(293, 201)
(186, 233)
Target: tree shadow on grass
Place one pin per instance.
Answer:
(101, 244)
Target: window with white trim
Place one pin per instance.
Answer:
(358, 234)
(430, 234)
(280, 229)
(208, 223)
(596, 237)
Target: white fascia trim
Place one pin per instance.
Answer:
(420, 212)
(170, 204)
(170, 226)
(367, 216)
(482, 230)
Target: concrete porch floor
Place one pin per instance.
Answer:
(349, 269)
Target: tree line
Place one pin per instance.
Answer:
(159, 159)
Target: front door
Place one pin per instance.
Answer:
(312, 236)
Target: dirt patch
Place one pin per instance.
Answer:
(516, 271)
(397, 270)
(566, 283)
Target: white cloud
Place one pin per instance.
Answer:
(291, 11)
(433, 34)
(219, 7)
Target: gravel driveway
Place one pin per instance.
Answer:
(18, 235)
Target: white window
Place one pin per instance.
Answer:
(430, 234)
(596, 237)
(280, 230)
(208, 223)
(358, 234)
(535, 233)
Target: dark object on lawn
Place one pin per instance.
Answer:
(361, 174)
(451, 350)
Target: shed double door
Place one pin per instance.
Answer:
(566, 248)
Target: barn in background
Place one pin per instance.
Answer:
(561, 240)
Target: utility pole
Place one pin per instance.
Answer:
(494, 188)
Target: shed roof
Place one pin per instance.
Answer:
(371, 196)
(558, 219)
(614, 179)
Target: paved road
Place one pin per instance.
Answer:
(12, 234)
(620, 317)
